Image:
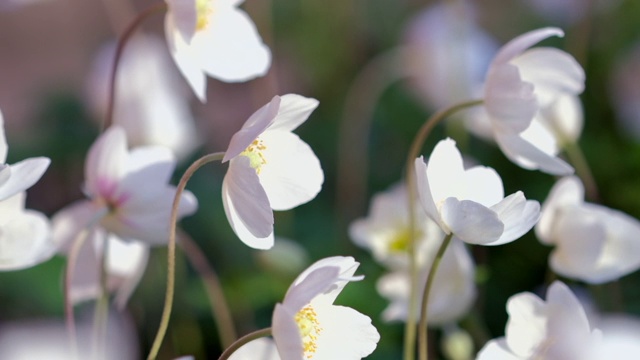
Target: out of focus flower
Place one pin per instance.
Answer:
(286, 257)
(21, 175)
(270, 168)
(620, 337)
(470, 204)
(625, 92)
(258, 349)
(557, 329)
(214, 38)
(25, 235)
(593, 243)
(521, 82)
(453, 290)
(307, 324)
(128, 193)
(149, 104)
(457, 344)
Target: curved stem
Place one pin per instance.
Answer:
(243, 340)
(422, 327)
(171, 250)
(101, 314)
(414, 150)
(72, 258)
(219, 306)
(122, 41)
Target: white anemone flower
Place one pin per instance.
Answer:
(471, 203)
(519, 83)
(555, 329)
(270, 168)
(307, 324)
(129, 193)
(593, 243)
(258, 349)
(25, 235)
(21, 175)
(215, 38)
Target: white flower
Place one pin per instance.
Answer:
(269, 168)
(471, 203)
(258, 349)
(308, 325)
(215, 38)
(620, 337)
(519, 83)
(25, 235)
(149, 104)
(21, 175)
(128, 191)
(557, 329)
(593, 243)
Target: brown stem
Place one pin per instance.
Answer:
(243, 340)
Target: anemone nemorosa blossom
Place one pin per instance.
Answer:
(129, 193)
(471, 203)
(215, 38)
(519, 83)
(307, 324)
(269, 168)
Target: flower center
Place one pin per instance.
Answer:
(203, 10)
(400, 241)
(254, 153)
(309, 327)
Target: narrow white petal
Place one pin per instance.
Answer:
(518, 216)
(424, 192)
(445, 171)
(519, 44)
(567, 191)
(185, 60)
(3, 141)
(23, 175)
(294, 110)
(529, 157)
(314, 284)
(105, 162)
(252, 128)
(286, 333)
(471, 222)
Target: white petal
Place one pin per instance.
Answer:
(184, 15)
(528, 156)
(294, 110)
(471, 222)
(105, 164)
(185, 60)
(252, 128)
(509, 101)
(346, 266)
(147, 170)
(69, 222)
(482, 185)
(292, 175)
(424, 192)
(258, 349)
(568, 191)
(541, 136)
(3, 141)
(346, 334)
(445, 171)
(286, 334)
(246, 205)
(23, 175)
(518, 216)
(516, 46)
(497, 350)
(565, 116)
(527, 325)
(313, 284)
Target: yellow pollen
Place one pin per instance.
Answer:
(254, 153)
(309, 327)
(203, 10)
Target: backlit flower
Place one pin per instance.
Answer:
(258, 349)
(306, 325)
(470, 203)
(270, 168)
(215, 38)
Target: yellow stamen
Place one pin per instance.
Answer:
(309, 327)
(254, 153)
(203, 11)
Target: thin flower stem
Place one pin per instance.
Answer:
(122, 41)
(72, 258)
(422, 327)
(101, 314)
(171, 250)
(414, 151)
(219, 306)
(579, 162)
(243, 340)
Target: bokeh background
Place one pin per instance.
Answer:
(321, 49)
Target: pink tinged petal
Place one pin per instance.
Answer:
(529, 157)
(147, 170)
(286, 333)
(105, 164)
(247, 205)
(184, 15)
(71, 220)
(185, 60)
(258, 349)
(518, 216)
(424, 192)
(292, 174)
(315, 283)
(526, 328)
(23, 175)
(471, 222)
(445, 171)
(347, 266)
(3, 141)
(552, 72)
(497, 350)
(482, 185)
(516, 46)
(568, 191)
(346, 333)
(230, 48)
(252, 128)
(510, 102)
(294, 110)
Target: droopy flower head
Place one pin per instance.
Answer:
(593, 243)
(215, 38)
(307, 324)
(519, 83)
(269, 168)
(471, 203)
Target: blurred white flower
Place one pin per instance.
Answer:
(519, 83)
(307, 324)
(620, 337)
(215, 38)
(258, 349)
(269, 168)
(128, 193)
(453, 291)
(557, 329)
(21, 175)
(471, 203)
(625, 92)
(25, 235)
(150, 103)
(593, 243)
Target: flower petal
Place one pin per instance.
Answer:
(445, 171)
(69, 222)
(528, 156)
(424, 192)
(471, 222)
(286, 333)
(3, 141)
(518, 216)
(527, 325)
(294, 110)
(23, 175)
(184, 58)
(105, 164)
(496, 350)
(519, 44)
(482, 185)
(510, 102)
(313, 284)
(567, 191)
(184, 14)
(258, 349)
(346, 333)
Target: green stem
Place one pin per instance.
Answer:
(579, 162)
(101, 314)
(171, 250)
(414, 151)
(422, 327)
(219, 307)
(122, 41)
(243, 340)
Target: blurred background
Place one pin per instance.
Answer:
(374, 94)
